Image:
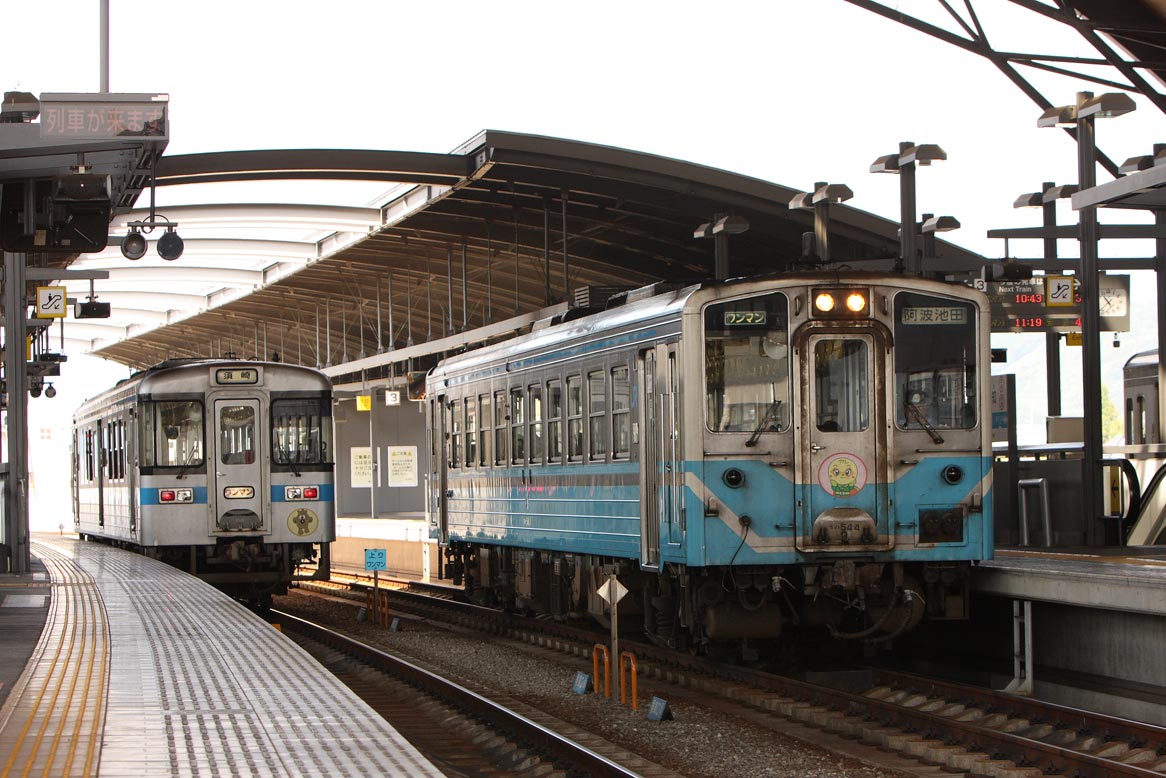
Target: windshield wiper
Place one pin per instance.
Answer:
(188, 464)
(921, 417)
(771, 413)
(287, 459)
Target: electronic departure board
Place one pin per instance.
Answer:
(1052, 303)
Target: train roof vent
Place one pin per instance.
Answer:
(642, 293)
(595, 296)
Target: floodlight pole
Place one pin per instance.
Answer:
(910, 260)
(1052, 339)
(1090, 322)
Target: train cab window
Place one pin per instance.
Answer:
(554, 421)
(236, 434)
(535, 412)
(517, 427)
(597, 413)
(499, 428)
(471, 431)
(574, 418)
(621, 435)
(747, 382)
(301, 431)
(936, 374)
(842, 385)
(172, 433)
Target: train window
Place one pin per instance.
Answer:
(554, 421)
(471, 431)
(517, 427)
(597, 413)
(455, 433)
(621, 438)
(842, 385)
(935, 362)
(172, 433)
(301, 430)
(499, 428)
(535, 411)
(574, 418)
(484, 432)
(236, 434)
(747, 384)
(90, 473)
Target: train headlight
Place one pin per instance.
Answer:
(176, 495)
(294, 493)
(841, 303)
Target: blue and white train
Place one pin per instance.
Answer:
(809, 450)
(222, 468)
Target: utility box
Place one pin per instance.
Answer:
(1064, 429)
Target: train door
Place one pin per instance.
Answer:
(438, 496)
(843, 421)
(237, 494)
(662, 470)
(102, 459)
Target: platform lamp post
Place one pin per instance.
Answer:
(719, 229)
(932, 224)
(1083, 113)
(904, 163)
(1046, 200)
(819, 200)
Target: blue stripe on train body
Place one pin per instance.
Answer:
(595, 509)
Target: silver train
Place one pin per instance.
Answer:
(809, 450)
(222, 468)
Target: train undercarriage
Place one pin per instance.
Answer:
(719, 609)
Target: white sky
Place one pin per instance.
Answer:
(790, 92)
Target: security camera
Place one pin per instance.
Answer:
(50, 391)
(35, 390)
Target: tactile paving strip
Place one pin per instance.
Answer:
(199, 686)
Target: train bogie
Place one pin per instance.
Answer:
(807, 451)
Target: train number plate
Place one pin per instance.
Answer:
(239, 492)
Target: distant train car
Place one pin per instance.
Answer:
(1140, 377)
(222, 468)
(811, 450)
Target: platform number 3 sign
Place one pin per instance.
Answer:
(50, 302)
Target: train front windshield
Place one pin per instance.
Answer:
(935, 362)
(747, 364)
(172, 433)
(302, 431)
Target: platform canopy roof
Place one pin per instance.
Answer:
(505, 225)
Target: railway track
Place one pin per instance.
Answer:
(928, 722)
(461, 729)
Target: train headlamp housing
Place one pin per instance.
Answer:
(298, 493)
(176, 495)
(841, 303)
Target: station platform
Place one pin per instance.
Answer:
(143, 670)
(1129, 579)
